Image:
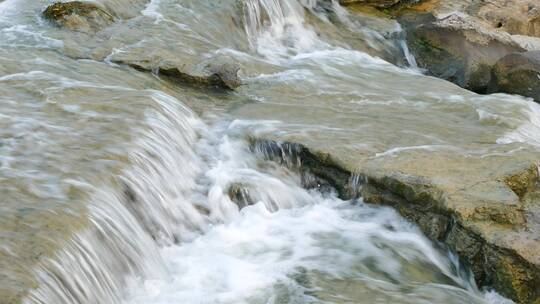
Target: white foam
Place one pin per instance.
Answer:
(247, 260)
(256, 254)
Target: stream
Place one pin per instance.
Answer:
(121, 186)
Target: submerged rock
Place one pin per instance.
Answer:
(239, 194)
(79, 16)
(217, 74)
(455, 48)
(518, 73)
(220, 76)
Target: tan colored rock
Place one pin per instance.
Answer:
(515, 17)
(486, 210)
(218, 74)
(480, 198)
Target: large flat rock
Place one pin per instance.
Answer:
(448, 163)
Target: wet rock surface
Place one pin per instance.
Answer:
(518, 73)
(239, 194)
(79, 16)
(514, 17)
(214, 74)
(460, 41)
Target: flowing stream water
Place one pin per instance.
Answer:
(117, 186)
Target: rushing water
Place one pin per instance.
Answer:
(115, 185)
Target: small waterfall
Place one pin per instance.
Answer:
(287, 240)
(94, 265)
(277, 27)
(159, 184)
(408, 56)
(411, 61)
(181, 180)
(147, 205)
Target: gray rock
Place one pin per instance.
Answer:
(216, 73)
(518, 73)
(456, 49)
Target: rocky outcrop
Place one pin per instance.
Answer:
(461, 41)
(487, 214)
(456, 49)
(481, 235)
(79, 16)
(461, 166)
(374, 3)
(518, 73)
(514, 17)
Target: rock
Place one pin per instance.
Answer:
(479, 198)
(239, 194)
(498, 239)
(489, 223)
(219, 76)
(456, 48)
(79, 16)
(222, 75)
(226, 74)
(374, 3)
(518, 73)
(515, 17)
(512, 16)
